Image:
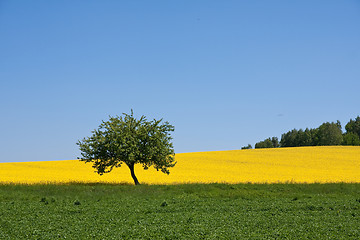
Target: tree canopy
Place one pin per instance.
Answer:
(268, 143)
(127, 140)
(329, 134)
(326, 134)
(353, 126)
(297, 138)
(247, 147)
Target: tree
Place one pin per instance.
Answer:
(351, 139)
(353, 126)
(247, 147)
(128, 140)
(268, 143)
(298, 138)
(314, 136)
(289, 139)
(305, 138)
(275, 142)
(329, 134)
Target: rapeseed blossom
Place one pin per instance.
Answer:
(297, 165)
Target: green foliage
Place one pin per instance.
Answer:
(351, 139)
(275, 142)
(268, 143)
(329, 134)
(353, 126)
(297, 138)
(326, 134)
(192, 211)
(289, 139)
(247, 147)
(264, 144)
(128, 140)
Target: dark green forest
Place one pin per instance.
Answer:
(327, 134)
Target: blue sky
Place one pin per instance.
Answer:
(224, 73)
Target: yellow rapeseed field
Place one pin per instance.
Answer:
(298, 165)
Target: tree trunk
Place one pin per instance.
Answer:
(133, 174)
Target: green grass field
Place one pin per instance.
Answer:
(190, 211)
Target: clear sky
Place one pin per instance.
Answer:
(224, 73)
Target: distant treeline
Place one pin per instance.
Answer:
(325, 135)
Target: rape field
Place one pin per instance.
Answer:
(281, 165)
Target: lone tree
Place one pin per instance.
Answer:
(128, 140)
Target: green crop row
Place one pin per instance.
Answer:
(189, 211)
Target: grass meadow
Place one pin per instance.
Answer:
(186, 211)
